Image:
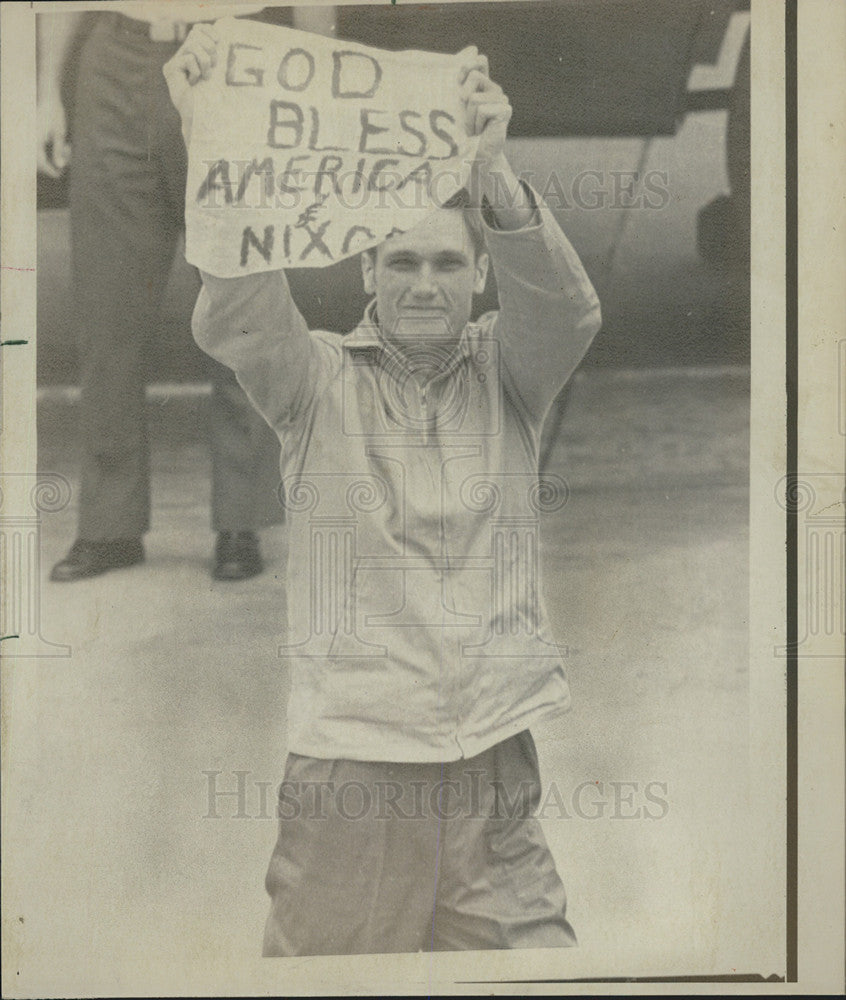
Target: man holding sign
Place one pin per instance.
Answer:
(419, 648)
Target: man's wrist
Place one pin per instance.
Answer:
(507, 202)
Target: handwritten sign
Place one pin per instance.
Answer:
(305, 150)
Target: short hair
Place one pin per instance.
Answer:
(460, 201)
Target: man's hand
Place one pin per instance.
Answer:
(192, 62)
(53, 147)
(55, 34)
(487, 110)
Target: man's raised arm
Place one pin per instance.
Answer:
(250, 323)
(549, 311)
(252, 326)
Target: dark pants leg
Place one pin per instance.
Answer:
(245, 459)
(377, 857)
(127, 209)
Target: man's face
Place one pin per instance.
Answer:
(424, 279)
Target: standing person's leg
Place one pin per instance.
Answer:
(498, 886)
(245, 477)
(122, 241)
(244, 450)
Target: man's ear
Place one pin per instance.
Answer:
(481, 267)
(368, 272)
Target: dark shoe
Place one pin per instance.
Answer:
(92, 558)
(237, 556)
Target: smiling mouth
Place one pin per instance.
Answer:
(430, 322)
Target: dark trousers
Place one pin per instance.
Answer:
(378, 857)
(127, 198)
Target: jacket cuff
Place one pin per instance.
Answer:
(489, 218)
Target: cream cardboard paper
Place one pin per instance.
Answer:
(305, 150)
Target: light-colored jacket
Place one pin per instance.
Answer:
(416, 629)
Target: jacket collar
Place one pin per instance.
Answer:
(367, 336)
